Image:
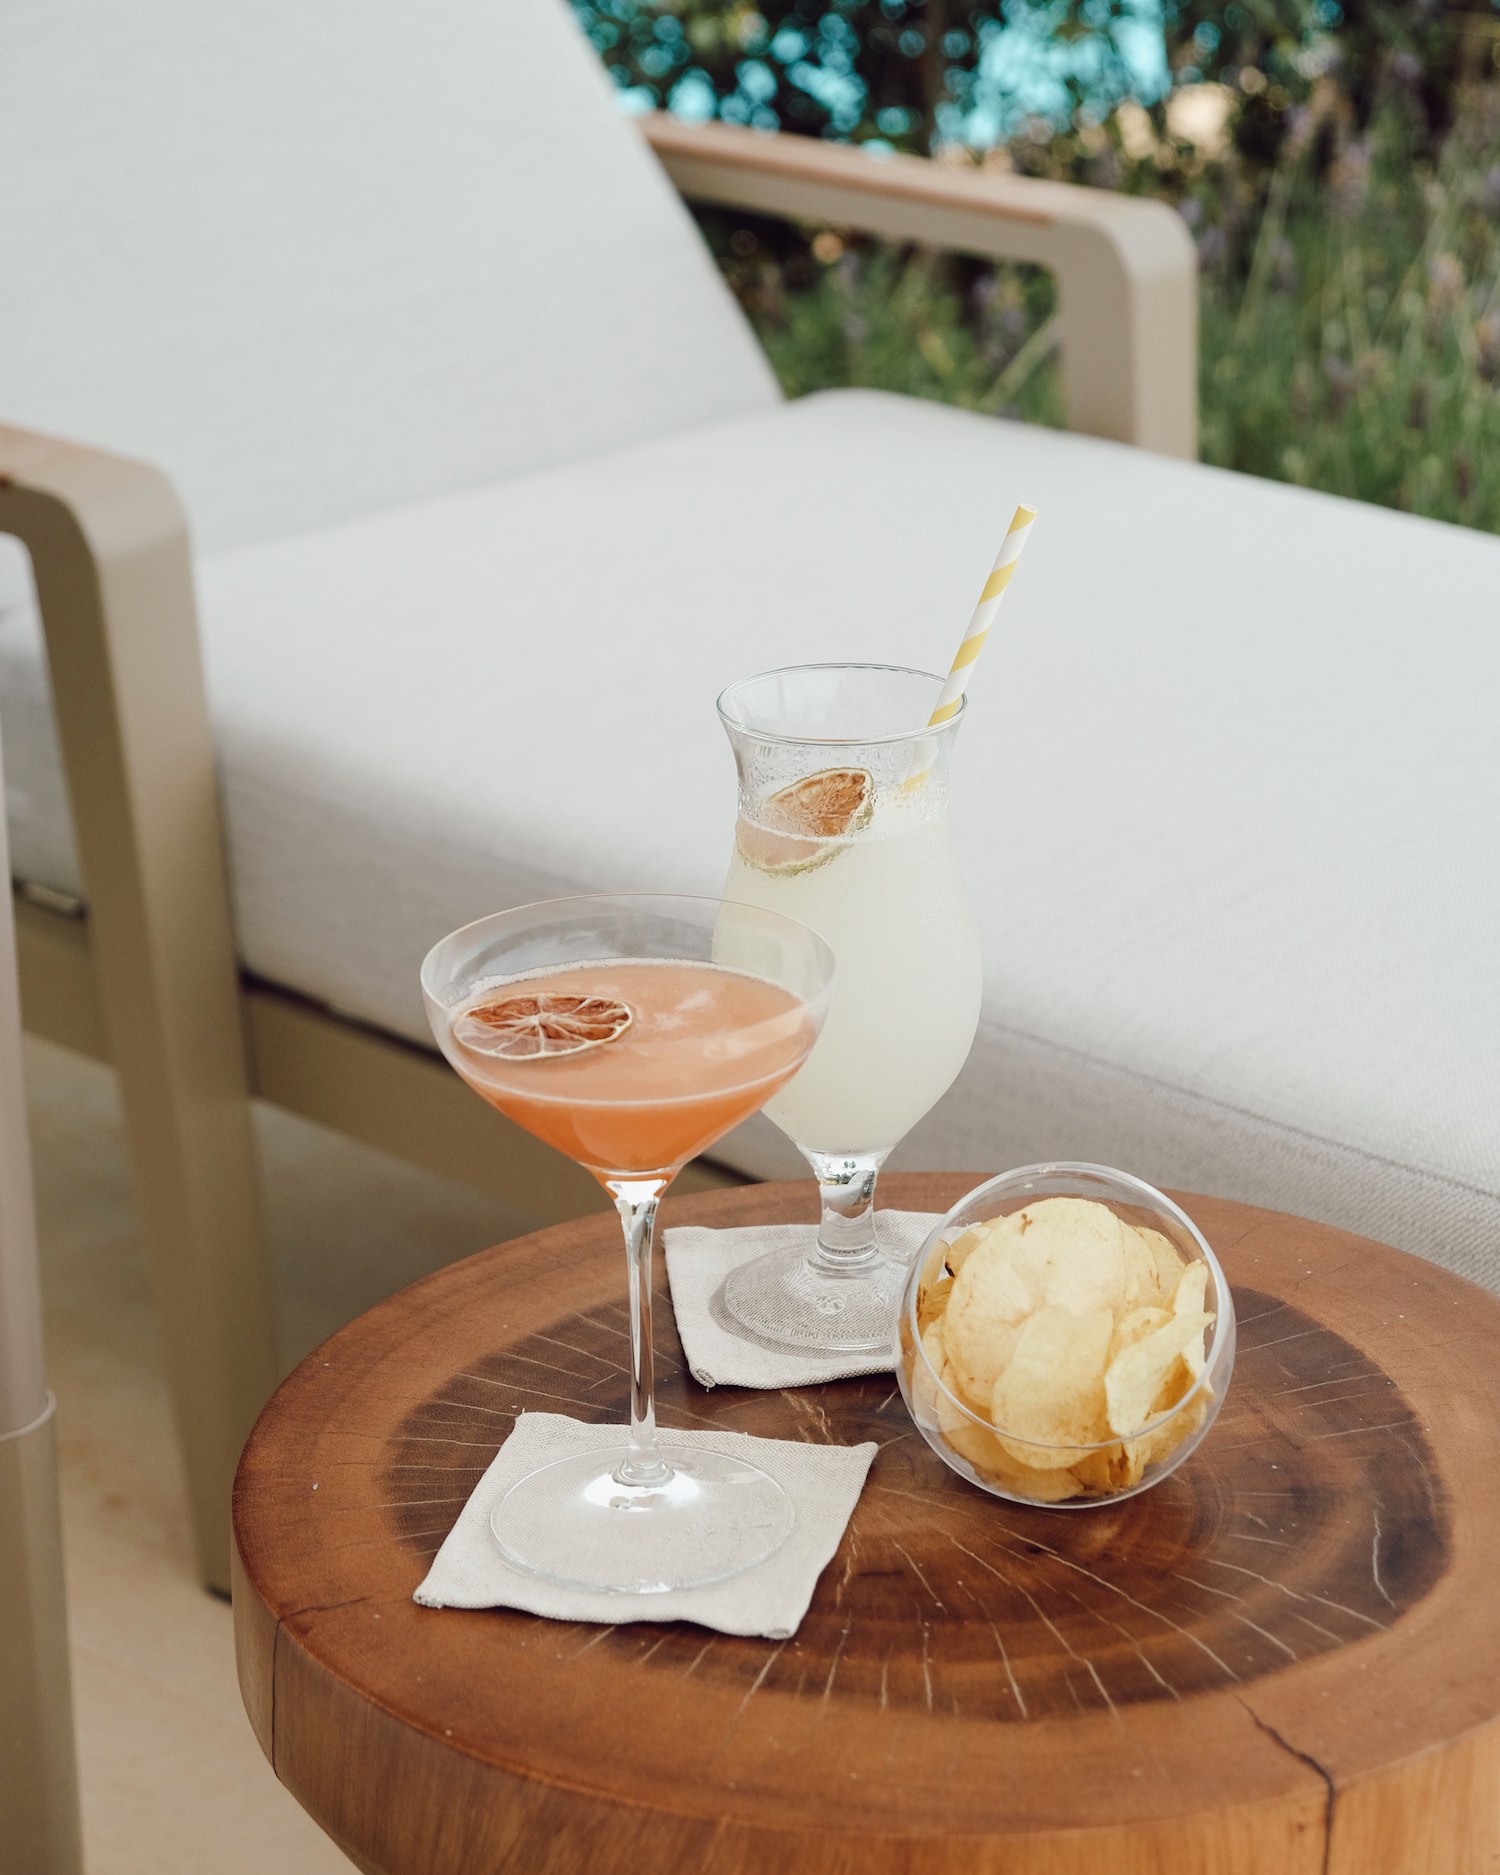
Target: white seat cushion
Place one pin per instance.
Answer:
(1227, 798)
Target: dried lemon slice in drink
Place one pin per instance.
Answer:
(519, 1028)
(802, 826)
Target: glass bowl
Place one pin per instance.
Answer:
(942, 1369)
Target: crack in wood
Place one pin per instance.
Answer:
(1333, 1380)
(1330, 1790)
(1155, 1613)
(833, 1665)
(324, 1608)
(760, 1679)
(412, 1503)
(1375, 1561)
(916, 1571)
(1317, 1628)
(1125, 1634)
(528, 1360)
(1260, 1347)
(367, 1462)
(552, 1341)
(1057, 1633)
(702, 1653)
(425, 1438)
(1348, 1432)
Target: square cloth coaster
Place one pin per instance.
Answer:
(720, 1352)
(823, 1482)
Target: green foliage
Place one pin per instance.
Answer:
(1358, 349)
(1350, 321)
(1345, 200)
(915, 73)
(908, 72)
(1432, 52)
(901, 321)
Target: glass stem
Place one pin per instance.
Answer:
(846, 1191)
(636, 1201)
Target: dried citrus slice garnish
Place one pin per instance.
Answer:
(520, 1028)
(804, 825)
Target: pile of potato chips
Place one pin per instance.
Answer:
(1066, 1331)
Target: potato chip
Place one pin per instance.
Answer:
(1177, 1385)
(1142, 1285)
(932, 1302)
(963, 1247)
(973, 1442)
(1050, 1401)
(1192, 1290)
(988, 1301)
(960, 1392)
(1163, 1440)
(1167, 1258)
(1138, 1373)
(1190, 1300)
(1073, 1251)
(926, 1386)
(986, 1452)
(1121, 1467)
(1054, 1486)
(1060, 1252)
(1135, 1325)
(1113, 1467)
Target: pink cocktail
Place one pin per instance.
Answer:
(700, 1048)
(630, 1033)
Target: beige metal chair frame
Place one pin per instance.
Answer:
(39, 1820)
(148, 979)
(1126, 269)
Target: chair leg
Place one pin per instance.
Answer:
(39, 1819)
(193, 1155)
(110, 554)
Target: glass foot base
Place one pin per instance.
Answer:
(575, 1524)
(795, 1301)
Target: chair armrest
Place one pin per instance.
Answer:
(109, 552)
(1126, 269)
(110, 556)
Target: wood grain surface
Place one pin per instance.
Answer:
(1284, 1659)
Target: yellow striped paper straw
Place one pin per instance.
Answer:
(984, 614)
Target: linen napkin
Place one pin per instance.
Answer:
(823, 1481)
(719, 1351)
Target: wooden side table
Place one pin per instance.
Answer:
(1285, 1660)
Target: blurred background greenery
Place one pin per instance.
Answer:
(1338, 162)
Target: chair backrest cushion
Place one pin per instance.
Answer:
(318, 256)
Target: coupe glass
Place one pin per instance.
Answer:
(843, 824)
(696, 1010)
